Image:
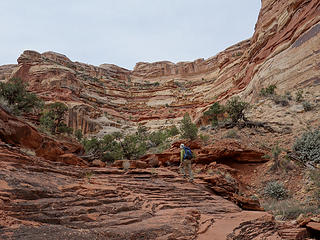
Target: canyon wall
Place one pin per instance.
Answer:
(284, 51)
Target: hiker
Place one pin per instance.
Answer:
(185, 161)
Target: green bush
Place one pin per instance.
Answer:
(288, 95)
(315, 178)
(275, 190)
(188, 129)
(18, 98)
(53, 117)
(78, 134)
(275, 151)
(158, 137)
(92, 145)
(299, 95)
(142, 132)
(270, 90)
(132, 147)
(107, 149)
(214, 111)
(281, 100)
(235, 108)
(307, 106)
(204, 138)
(307, 148)
(231, 134)
(173, 131)
(289, 209)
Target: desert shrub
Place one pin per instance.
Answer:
(288, 95)
(299, 95)
(142, 132)
(204, 138)
(53, 117)
(173, 131)
(112, 154)
(92, 145)
(275, 152)
(133, 147)
(235, 109)
(286, 164)
(158, 137)
(65, 129)
(111, 147)
(266, 156)
(307, 106)
(270, 90)
(315, 178)
(307, 147)
(214, 111)
(163, 146)
(187, 128)
(78, 134)
(107, 149)
(289, 208)
(231, 134)
(18, 98)
(275, 190)
(281, 100)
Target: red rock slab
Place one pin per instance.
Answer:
(221, 228)
(314, 226)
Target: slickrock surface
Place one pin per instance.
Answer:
(41, 198)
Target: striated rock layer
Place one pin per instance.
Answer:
(16, 132)
(41, 199)
(284, 50)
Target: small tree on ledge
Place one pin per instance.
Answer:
(188, 129)
(235, 109)
(52, 118)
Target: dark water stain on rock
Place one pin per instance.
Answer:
(310, 82)
(307, 36)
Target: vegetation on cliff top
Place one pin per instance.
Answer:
(234, 111)
(16, 99)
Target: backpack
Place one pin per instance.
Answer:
(187, 153)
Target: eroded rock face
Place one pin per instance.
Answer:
(90, 203)
(108, 98)
(18, 133)
(6, 71)
(40, 199)
(287, 40)
(223, 151)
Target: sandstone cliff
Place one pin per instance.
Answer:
(48, 190)
(284, 50)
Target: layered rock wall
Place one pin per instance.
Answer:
(284, 51)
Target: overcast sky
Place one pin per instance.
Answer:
(124, 32)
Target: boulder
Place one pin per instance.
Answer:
(98, 163)
(72, 159)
